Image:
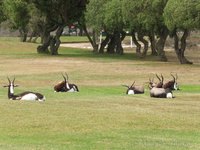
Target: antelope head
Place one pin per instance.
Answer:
(174, 81)
(160, 83)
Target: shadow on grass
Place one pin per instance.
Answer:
(105, 57)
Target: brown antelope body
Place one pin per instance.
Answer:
(134, 89)
(161, 93)
(173, 85)
(64, 86)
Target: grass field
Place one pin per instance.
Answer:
(101, 116)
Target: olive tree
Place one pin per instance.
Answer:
(146, 19)
(182, 15)
(56, 15)
(18, 13)
(94, 16)
(115, 25)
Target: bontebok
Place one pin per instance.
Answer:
(64, 86)
(134, 89)
(161, 93)
(30, 96)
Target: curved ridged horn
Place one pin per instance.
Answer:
(126, 86)
(63, 76)
(162, 77)
(67, 76)
(176, 76)
(13, 80)
(158, 77)
(133, 83)
(173, 77)
(9, 80)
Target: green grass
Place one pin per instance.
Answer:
(101, 116)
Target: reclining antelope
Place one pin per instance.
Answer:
(134, 89)
(152, 84)
(64, 86)
(161, 93)
(30, 96)
(173, 85)
(157, 89)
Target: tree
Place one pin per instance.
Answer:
(182, 15)
(132, 13)
(115, 25)
(18, 13)
(145, 18)
(2, 16)
(57, 14)
(94, 18)
(101, 16)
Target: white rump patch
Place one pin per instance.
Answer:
(72, 90)
(29, 97)
(169, 95)
(131, 92)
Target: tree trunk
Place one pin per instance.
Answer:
(46, 38)
(180, 51)
(31, 36)
(95, 45)
(104, 43)
(23, 35)
(35, 39)
(160, 44)
(92, 40)
(112, 44)
(141, 38)
(153, 43)
(119, 48)
(138, 46)
(55, 41)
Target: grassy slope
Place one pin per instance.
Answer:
(101, 115)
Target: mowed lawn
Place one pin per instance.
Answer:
(101, 116)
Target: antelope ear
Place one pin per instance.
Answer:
(5, 86)
(16, 85)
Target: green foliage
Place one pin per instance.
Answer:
(113, 16)
(95, 14)
(2, 16)
(146, 13)
(18, 12)
(182, 14)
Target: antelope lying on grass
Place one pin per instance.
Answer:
(172, 84)
(30, 96)
(64, 86)
(134, 89)
(161, 93)
(152, 84)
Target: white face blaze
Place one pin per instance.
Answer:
(131, 92)
(67, 85)
(11, 88)
(169, 95)
(175, 86)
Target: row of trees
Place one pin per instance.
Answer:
(152, 19)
